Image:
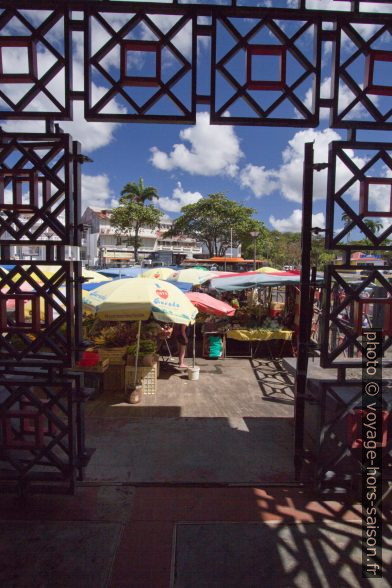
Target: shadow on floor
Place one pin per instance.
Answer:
(190, 450)
(275, 383)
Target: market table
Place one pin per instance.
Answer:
(93, 376)
(260, 335)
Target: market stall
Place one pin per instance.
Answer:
(124, 305)
(255, 336)
(213, 343)
(263, 317)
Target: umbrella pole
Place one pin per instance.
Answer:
(137, 353)
(194, 344)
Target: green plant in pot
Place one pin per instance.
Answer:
(147, 350)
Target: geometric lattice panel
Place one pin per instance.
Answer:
(34, 64)
(354, 300)
(36, 314)
(38, 429)
(36, 199)
(362, 81)
(142, 65)
(334, 421)
(359, 195)
(266, 70)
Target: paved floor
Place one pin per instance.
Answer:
(228, 388)
(233, 425)
(123, 537)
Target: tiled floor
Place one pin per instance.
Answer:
(124, 537)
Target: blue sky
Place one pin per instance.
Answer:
(258, 166)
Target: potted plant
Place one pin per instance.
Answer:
(147, 350)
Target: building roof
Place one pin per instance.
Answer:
(102, 213)
(358, 255)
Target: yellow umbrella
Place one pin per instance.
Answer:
(50, 270)
(266, 270)
(159, 273)
(94, 276)
(193, 276)
(134, 299)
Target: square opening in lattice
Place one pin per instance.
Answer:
(18, 59)
(378, 73)
(375, 197)
(373, 313)
(22, 430)
(47, 425)
(15, 316)
(140, 63)
(19, 190)
(265, 67)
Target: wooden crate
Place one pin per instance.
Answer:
(147, 376)
(113, 378)
(115, 355)
(97, 368)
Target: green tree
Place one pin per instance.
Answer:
(283, 249)
(133, 214)
(138, 192)
(217, 221)
(319, 256)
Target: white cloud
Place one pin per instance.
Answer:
(261, 181)
(293, 223)
(92, 135)
(96, 191)
(345, 98)
(291, 171)
(288, 178)
(179, 198)
(214, 150)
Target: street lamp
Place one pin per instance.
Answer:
(254, 234)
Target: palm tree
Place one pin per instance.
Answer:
(346, 219)
(373, 225)
(133, 212)
(138, 192)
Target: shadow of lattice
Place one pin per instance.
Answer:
(275, 383)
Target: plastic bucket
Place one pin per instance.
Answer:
(193, 373)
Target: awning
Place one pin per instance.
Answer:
(253, 280)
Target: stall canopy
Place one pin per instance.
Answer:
(242, 282)
(92, 285)
(183, 286)
(255, 280)
(272, 270)
(193, 276)
(210, 305)
(122, 272)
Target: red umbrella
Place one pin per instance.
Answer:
(210, 305)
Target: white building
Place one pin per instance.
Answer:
(102, 246)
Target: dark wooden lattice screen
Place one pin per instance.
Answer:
(326, 60)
